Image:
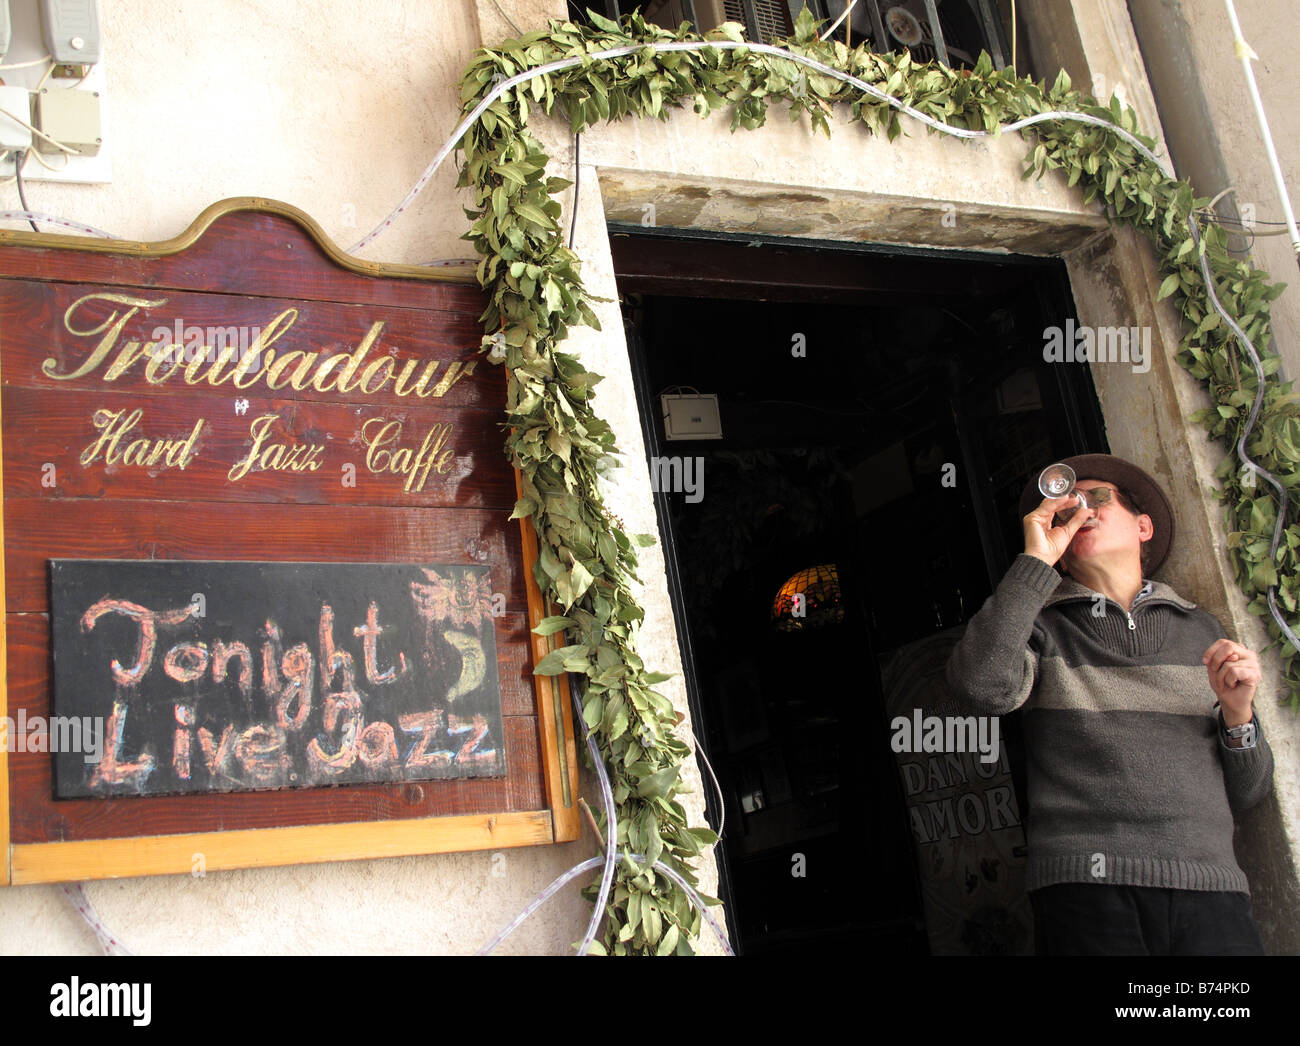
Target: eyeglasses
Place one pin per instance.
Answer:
(1095, 498)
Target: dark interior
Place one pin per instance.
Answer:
(881, 410)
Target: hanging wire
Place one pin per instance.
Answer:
(108, 942)
(577, 178)
(1246, 460)
(19, 160)
(611, 820)
(509, 21)
(53, 219)
(27, 65)
(611, 853)
(592, 862)
(730, 45)
(836, 24)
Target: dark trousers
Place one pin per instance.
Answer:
(1096, 919)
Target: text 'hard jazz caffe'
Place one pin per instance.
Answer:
(263, 599)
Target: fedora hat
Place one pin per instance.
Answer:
(1150, 497)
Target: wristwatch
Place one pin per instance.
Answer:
(1244, 736)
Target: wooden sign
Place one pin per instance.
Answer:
(201, 677)
(312, 445)
(966, 823)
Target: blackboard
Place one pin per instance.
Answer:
(248, 676)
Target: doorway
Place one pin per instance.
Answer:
(880, 409)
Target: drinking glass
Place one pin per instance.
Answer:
(1057, 481)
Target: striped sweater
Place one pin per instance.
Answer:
(1129, 780)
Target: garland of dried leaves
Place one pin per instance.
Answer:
(560, 446)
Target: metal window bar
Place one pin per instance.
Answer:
(992, 34)
(746, 11)
(936, 32)
(985, 13)
(877, 23)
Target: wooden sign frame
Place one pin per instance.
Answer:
(307, 266)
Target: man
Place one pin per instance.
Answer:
(1134, 775)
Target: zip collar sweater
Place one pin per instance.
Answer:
(1130, 782)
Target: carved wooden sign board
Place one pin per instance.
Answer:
(263, 602)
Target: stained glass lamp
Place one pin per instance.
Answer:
(809, 599)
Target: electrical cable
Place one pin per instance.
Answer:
(1013, 37)
(1217, 219)
(35, 154)
(1219, 196)
(592, 862)
(28, 65)
(1245, 53)
(39, 133)
(722, 800)
(1244, 229)
(19, 161)
(509, 21)
(577, 175)
(505, 85)
(108, 943)
(1207, 213)
(611, 821)
(50, 219)
(730, 45)
(1247, 462)
(843, 15)
(815, 409)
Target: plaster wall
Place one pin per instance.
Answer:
(336, 109)
(1112, 277)
(786, 180)
(1213, 131)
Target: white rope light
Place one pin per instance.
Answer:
(727, 45)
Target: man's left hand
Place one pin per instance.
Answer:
(1234, 677)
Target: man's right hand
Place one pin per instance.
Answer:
(1046, 542)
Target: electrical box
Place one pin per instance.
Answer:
(33, 65)
(14, 136)
(70, 117)
(71, 29)
(691, 417)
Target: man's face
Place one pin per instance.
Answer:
(1112, 534)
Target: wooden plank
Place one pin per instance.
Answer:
(61, 336)
(5, 858)
(244, 267)
(693, 268)
(303, 264)
(85, 444)
(265, 848)
(39, 530)
(555, 717)
(38, 818)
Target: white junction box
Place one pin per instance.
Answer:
(66, 99)
(691, 417)
(13, 135)
(69, 117)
